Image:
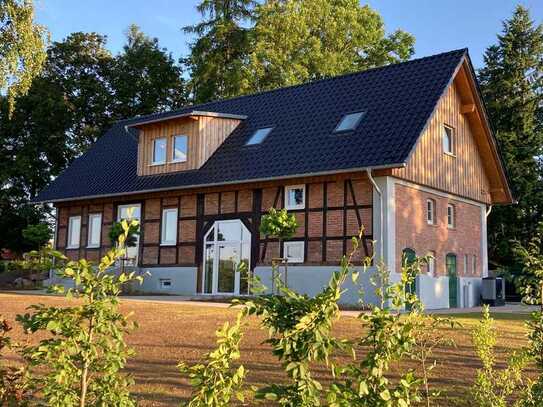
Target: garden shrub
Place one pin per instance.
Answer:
(494, 388)
(216, 382)
(388, 338)
(85, 351)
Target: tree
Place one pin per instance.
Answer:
(302, 40)
(22, 54)
(145, 78)
(219, 52)
(37, 235)
(512, 87)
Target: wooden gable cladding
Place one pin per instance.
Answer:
(462, 173)
(204, 135)
(474, 171)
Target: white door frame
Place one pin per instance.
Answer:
(216, 256)
(138, 218)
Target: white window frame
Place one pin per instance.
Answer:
(474, 264)
(163, 231)
(92, 216)
(294, 207)
(430, 211)
(179, 160)
(286, 245)
(452, 141)
(153, 161)
(69, 244)
(451, 216)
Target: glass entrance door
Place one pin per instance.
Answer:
(130, 212)
(226, 247)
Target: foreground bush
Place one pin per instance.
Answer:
(85, 349)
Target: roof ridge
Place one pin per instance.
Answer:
(308, 83)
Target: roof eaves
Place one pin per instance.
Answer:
(187, 114)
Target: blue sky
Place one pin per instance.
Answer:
(438, 25)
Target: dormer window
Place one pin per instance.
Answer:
(180, 147)
(159, 151)
(349, 122)
(259, 136)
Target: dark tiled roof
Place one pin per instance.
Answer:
(398, 100)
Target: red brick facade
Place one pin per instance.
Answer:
(414, 232)
(335, 209)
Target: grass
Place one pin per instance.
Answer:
(169, 333)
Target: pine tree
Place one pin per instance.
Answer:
(220, 49)
(511, 82)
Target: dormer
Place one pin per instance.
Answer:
(181, 142)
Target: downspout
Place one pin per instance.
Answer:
(381, 214)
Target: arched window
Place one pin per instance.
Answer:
(408, 256)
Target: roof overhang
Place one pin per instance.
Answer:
(190, 114)
(234, 182)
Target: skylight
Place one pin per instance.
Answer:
(349, 122)
(259, 136)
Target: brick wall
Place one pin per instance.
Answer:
(335, 209)
(413, 231)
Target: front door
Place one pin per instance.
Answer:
(130, 212)
(450, 262)
(227, 246)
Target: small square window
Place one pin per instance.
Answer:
(451, 215)
(159, 150)
(259, 136)
(294, 252)
(448, 140)
(295, 197)
(169, 227)
(430, 211)
(180, 148)
(349, 122)
(165, 283)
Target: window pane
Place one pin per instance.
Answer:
(294, 251)
(208, 279)
(447, 140)
(95, 223)
(229, 231)
(169, 226)
(349, 121)
(180, 148)
(129, 212)
(159, 150)
(259, 136)
(295, 197)
(74, 231)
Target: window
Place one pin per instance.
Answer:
(180, 148)
(474, 264)
(430, 211)
(165, 283)
(169, 227)
(293, 252)
(349, 122)
(95, 226)
(448, 140)
(159, 150)
(432, 264)
(259, 136)
(295, 197)
(466, 263)
(451, 221)
(74, 232)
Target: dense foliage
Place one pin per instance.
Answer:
(22, 50)
(84, 350)
(512, 86)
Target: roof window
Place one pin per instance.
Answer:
(259, 136)
(349, 122)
